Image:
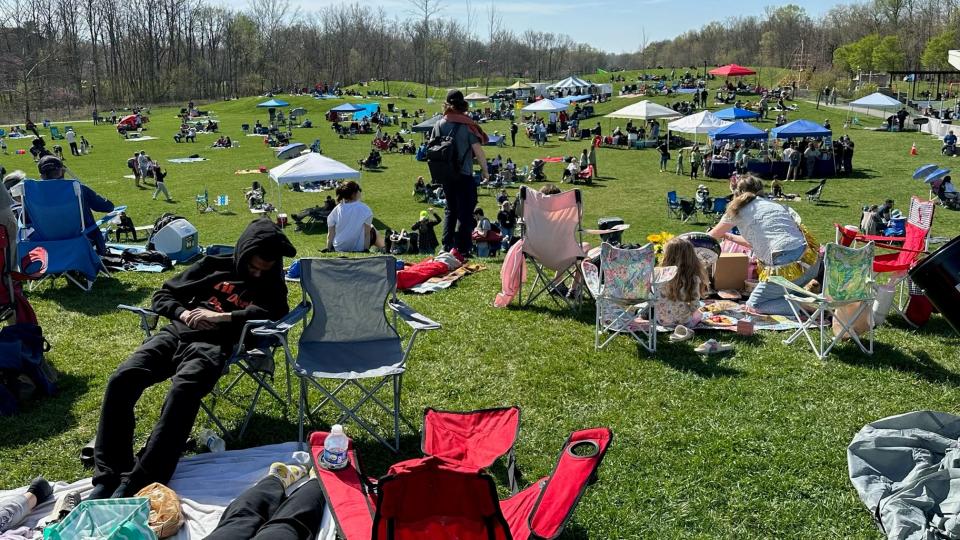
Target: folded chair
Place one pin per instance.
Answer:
(350, 340)
(449, 494)
(550, 226)
(624, 287)
(848, 284)
(53, 219)
(253, 356)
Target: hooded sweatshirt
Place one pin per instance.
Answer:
(221, 283)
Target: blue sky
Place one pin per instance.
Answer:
(611, 25)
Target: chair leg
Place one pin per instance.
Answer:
(396, 411)
(302, 411)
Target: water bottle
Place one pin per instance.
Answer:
(334, 449)
(212, 441)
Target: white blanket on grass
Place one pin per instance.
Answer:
(140, 138)
(206, 484)
(187, 160)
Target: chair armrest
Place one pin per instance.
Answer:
(591, 276)
(143, 312)
(280, 326)
(611, 230)
(795, 290)
(414, 320)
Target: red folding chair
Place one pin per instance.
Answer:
(904, 252)
(450, 495)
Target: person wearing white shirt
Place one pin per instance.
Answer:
(71, 137)
(350, 224)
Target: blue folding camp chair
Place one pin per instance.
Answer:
(350, 341)
(673, 205)
(53, 219)
(717, 209)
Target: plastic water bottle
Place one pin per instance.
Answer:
(334, 449)
(211, 440)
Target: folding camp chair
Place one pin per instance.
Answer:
(814, 193)
(203, 202)
(550, 226)
(253, 355)
(903, 257)
(624, 288)
(55, 133)
(847, 284)
(717, 208)
(673, 205)
(52, 218)
(450, 493)
(349, 338)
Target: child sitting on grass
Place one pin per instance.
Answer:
(679, 299)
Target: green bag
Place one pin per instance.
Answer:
(105, 519)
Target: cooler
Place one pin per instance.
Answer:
(179, 240)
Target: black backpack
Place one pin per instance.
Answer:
(443, 157)
(24, 372)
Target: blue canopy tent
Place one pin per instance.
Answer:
(800, 128)
(347, 108)
(805, 128)
(736, 113)
(272, 104)
(738, 130)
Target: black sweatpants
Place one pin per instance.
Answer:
(265, 512)
(193, 368)
(458, 223)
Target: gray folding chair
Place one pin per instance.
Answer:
(350, 339)
(254, 362)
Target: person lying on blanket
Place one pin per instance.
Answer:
(207, 306)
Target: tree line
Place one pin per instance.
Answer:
(80, 54)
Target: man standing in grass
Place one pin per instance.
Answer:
(207, 306)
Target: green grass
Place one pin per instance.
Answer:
(747, 446)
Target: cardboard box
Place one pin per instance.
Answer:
(730, 271)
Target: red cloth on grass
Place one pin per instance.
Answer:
(411, 276)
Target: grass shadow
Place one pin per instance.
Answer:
(681, 357)
(107, 292)
(886, 357)
(43, 417)
(544, 306)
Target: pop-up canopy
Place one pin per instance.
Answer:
(739, 130)
(475, 96)
(736, 113)
(702, 122)
(644, 110)
(347, 108)
(273, 104)
(427, 125)
(800, 128)
(310, 167)
(732, 70)
(877, 100)
(546, 105)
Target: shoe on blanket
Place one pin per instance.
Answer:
(712, 346)
(64, 506)
(287, 474)
(680, 333)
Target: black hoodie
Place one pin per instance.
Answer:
(220, 283)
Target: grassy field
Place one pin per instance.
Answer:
(750, 445)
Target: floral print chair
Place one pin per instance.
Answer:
(849, 289)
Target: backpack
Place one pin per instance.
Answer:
(23, 370)
(131, 163)
(443, 157)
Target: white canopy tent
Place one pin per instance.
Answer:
(701, 123)
(475, 96)
(310, 167)
(546, 105)
(875, 100)
(570, 83)
(644, 110)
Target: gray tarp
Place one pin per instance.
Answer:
(906, 469)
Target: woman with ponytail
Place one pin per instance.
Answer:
(778, 242)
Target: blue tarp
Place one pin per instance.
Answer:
(273, 103)
(347, 108)
(738, 130)
(687, 90)
(800, 128)
(367, 110)
(573, 99)
(736, 113)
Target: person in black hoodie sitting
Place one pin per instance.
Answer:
(207, 306)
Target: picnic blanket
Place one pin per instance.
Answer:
(724, 315)
(905, 469)
(552, 159)
(439, 283)
(140, 138)
(117, 251)
(187, 159)
(205, 483)
(251, 171)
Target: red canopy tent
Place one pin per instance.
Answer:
(732, 70)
